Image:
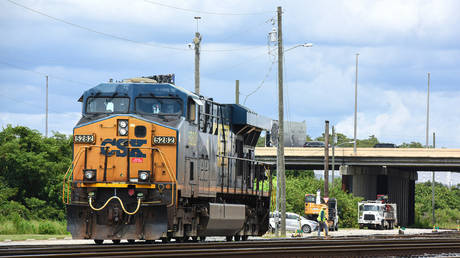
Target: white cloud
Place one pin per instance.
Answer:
(404, 119)
(375, 22)
(399, 42)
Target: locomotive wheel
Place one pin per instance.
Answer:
(98, 241)
(229, 238)
(244, 238)
(149, 241)
(165, 239)
(131, 241)
(116, 241)
(194, 239)
(237, 238)
(202, 239)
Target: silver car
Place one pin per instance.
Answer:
(293, 223)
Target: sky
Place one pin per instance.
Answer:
(80, 44)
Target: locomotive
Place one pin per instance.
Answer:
(152, 160)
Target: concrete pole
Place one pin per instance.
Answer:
(237, 92)
(326, 159)
(197, 41)
(427, 146)
(334, 141)
(277, 207)
(432, 188)
(356, 105)
(427, 112)
(280, 150)
(46, 109)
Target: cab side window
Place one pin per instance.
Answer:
(191, 107)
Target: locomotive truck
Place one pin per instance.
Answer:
(152, 160)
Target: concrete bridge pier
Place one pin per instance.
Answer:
(397, 183)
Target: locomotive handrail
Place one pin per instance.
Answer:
(121, 203)
(244, 159)
(66, 180)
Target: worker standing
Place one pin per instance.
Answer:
(322, 221)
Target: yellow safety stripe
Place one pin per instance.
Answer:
(115, 184)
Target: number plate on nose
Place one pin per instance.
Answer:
(164, 140)
(83, 138)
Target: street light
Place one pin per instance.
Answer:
(299, 45)
(356, 104)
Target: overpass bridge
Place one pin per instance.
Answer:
(416, 159)
(372, 171)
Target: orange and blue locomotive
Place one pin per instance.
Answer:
(152, 161)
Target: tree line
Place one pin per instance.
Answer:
(32, 168)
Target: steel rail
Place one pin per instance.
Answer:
(249, 248)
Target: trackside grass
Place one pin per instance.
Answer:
(19, 226)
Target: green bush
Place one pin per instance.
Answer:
(24, 226)
(447, 205)
(7, 228)
(47, 228)
(299, 183)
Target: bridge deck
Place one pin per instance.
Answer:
(410, 158)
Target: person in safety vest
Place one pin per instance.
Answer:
(322, 220)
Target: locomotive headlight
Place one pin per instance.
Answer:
(123, 127)
(90, 174)
(143, 175)
(123, 131)
(123, 123)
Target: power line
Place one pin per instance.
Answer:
(44, 74)
(24, 102)
(204, 12)
(262, 83)
(247, 29)
(89, 29)
(236, 65)
(119, 37)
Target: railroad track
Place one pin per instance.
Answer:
(266, 248)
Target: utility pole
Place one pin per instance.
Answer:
(427, 112)
(334, 141)
(427, 146)
(280, 150)
(197, 42)
(356, 104)
(277, 206)
(46, 109)
(237, 92)
(432, 187)
(326, 160)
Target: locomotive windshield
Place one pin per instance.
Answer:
(159, 106)
(107, 105)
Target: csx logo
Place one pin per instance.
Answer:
(122, 145)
